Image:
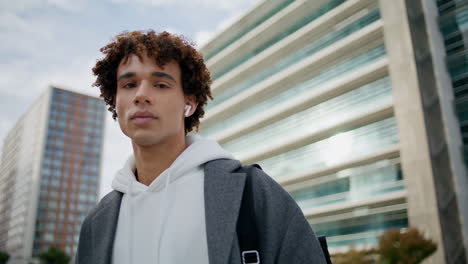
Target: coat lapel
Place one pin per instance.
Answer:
(104, 228)
(223, 194)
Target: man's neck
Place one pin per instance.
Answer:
(151, 161)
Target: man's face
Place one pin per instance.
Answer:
(150, 101)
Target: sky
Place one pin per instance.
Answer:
(57, 42)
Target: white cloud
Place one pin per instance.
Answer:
(35, 56)
(23, 79)
(214, 4)
(25, 37)
(68, 5)
(77, 77)
(22, 5)
(11, 22)
(202, 37)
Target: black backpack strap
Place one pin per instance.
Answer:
(246, 225)
(323, 244)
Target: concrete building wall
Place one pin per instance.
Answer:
(20, 173)
(432, 199)
(36, 132)
(449, 115)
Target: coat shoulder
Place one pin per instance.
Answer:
(266, 189)
(108, 199)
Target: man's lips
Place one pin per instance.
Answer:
(142, 117)
(142, 114)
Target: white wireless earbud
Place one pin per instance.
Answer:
(187, 110)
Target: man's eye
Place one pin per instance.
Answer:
(161, 85)
(129, 85)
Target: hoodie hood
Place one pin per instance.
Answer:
(169, 202)
(198, 152)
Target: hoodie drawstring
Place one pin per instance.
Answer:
(163, 215)
(130, 222)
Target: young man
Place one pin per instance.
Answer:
(177, 198)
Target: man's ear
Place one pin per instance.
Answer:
(114, 103)
(192, 102)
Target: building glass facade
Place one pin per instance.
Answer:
(329, 122)
(70, 169)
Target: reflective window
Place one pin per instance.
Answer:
(334, 150)
(48, 237)
(249, 28)
(296, 56)
(316, 82)
(360, 229)
(313, 15)
(326, 114)
(359, 183)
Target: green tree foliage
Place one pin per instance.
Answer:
(395, 247)
(54, 256)
(4, 257)
(407, 247)
(354, 256)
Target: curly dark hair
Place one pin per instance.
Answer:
(163, 47)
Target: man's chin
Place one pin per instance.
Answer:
(145, 141)
(153, 139)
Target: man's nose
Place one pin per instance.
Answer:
(143, 94)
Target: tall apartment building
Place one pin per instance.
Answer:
(349, 105)
(49, 176)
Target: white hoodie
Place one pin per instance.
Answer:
(165, 221)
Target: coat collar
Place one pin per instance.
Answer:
(223, 195)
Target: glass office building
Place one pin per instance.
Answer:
(333, 100)
(50, 174)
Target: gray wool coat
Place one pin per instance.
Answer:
(284, 235)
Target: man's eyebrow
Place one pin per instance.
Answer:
(126, 75)
(163, 75)
(154, 74)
